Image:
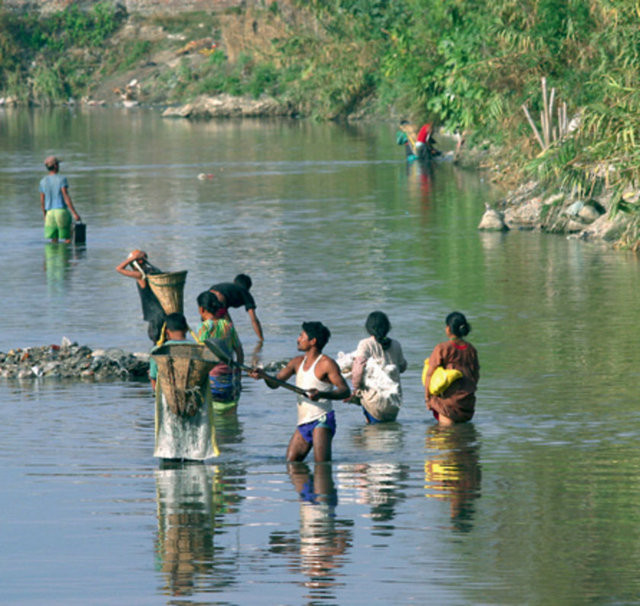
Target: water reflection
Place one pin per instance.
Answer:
(57, 258)
(420, 181)
(379, 437)
(186, 525)
(229, 429)
(318, 549)
(452, 470)
(378, 484)
(192, 498)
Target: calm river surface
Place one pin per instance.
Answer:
(537, 501)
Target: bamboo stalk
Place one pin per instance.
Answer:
(550, 114)
(533, 125)
(561, 131)
(545, 132)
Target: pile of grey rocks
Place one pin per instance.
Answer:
(70, 360)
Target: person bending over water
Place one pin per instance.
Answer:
(380, 400)
(456, 404)
(236, 294)
(225, 383)
(320, 376)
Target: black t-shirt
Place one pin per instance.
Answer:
(235, 295)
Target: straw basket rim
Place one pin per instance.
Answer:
(166, 276)
(194, 351)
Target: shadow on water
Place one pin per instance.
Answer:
(318, 550)
(452, 470)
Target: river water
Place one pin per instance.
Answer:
(536, 501)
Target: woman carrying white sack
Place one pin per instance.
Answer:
(375, 372)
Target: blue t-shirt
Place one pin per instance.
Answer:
(51, 186)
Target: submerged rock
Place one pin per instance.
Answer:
(70, 360)
(492, 220)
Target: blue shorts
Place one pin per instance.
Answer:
(328, 421)
(370, 418)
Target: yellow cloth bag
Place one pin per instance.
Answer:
(441, 378)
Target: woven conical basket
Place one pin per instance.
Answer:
(169, 290)
(183, 371)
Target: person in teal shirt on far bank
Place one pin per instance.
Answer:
(56, 203)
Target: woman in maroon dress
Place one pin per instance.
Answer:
(455, 404)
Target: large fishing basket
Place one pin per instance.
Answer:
(183, 372)
(169, 290)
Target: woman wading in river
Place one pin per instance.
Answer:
(379, 401)
(457, 402)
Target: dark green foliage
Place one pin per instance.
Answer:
(44, 41)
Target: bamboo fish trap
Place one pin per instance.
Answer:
(169, 290)
(183, 372)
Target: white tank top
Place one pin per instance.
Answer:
(308, 410)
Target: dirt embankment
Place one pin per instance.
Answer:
(179, 52)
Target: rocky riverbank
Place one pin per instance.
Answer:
(531, 206)
(72, 361)
(228, 106)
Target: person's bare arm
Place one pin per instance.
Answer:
(130, 273)
(69, 203)
(283, 375)
(330, 372)
(44, 212)
(257, 327)
(357, 372)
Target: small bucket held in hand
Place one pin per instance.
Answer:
(79, 233)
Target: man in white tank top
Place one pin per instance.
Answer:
(320, 377)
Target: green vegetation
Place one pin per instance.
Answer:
(35, 58)
(465, 65)
(470, 66)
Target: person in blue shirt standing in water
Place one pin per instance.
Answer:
(56, 204)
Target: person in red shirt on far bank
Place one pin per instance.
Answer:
(425, 142)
